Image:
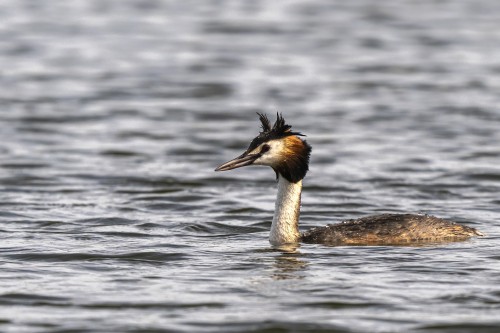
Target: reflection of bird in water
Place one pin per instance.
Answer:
(281, 148)
(288, 264)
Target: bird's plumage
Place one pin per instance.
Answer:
(283, 150)
(389, 229)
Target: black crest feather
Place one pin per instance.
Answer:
(266, 124)
(278, 130)
(280, 126)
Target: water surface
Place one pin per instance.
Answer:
(114, 114)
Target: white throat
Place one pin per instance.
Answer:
(285, 227)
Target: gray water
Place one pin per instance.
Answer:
(113, 115)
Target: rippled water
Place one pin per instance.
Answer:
(113, 115)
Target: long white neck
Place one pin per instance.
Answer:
(285, 227)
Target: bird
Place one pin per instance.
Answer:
(283, 149)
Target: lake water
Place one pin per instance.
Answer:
(114, 114)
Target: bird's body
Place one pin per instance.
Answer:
(389, 229)
(288, 155)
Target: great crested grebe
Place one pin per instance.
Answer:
(281, 148)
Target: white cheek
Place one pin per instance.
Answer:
(272, 156)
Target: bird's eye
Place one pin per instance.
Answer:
(265, 148)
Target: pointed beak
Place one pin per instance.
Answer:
(240, 161)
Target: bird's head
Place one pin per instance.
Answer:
(278, 147)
